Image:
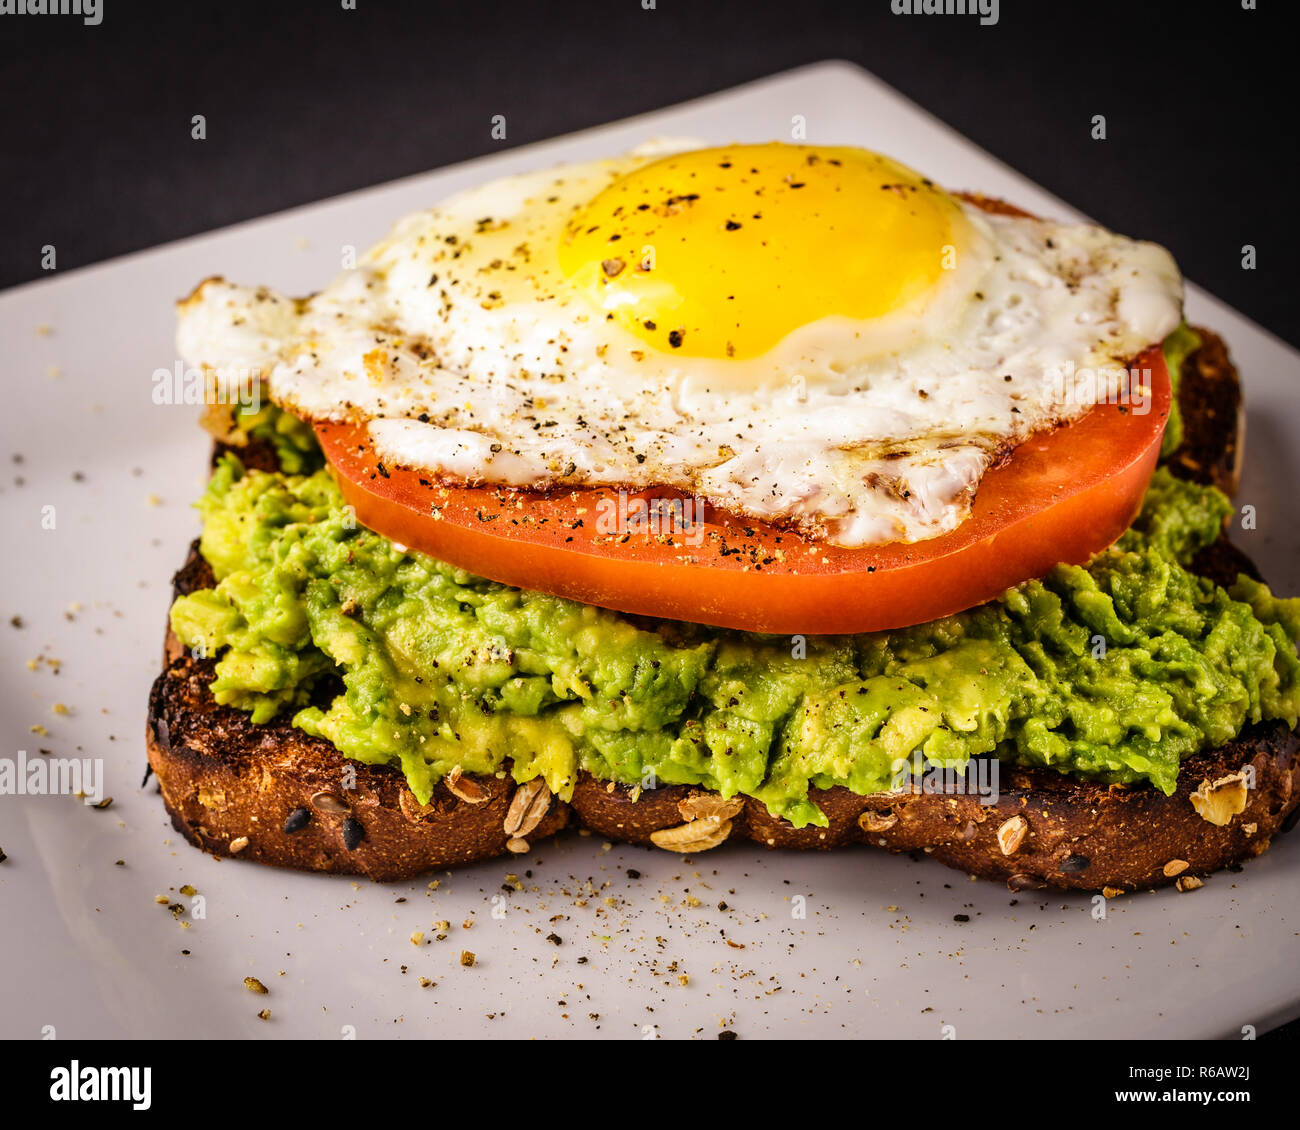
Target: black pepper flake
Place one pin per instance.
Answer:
(675, 338)
(961, 917)
(732, 225)
(3, 857)
(297, 820)
(379, 466)
(353, 833)
(727, 1034)
(554, 939)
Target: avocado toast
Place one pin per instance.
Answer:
(274, 792)
(761, 491)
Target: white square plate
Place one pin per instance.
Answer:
(86, 949)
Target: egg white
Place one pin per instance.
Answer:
(476, 362)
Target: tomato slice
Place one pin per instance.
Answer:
(1061, 496)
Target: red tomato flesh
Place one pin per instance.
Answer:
(1061, 497)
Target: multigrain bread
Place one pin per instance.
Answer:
(273, 794)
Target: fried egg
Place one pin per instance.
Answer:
(807, 335)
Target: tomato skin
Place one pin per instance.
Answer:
(1061, 497)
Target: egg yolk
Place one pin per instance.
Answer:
(723, 252)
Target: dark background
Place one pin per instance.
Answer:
(304, 100)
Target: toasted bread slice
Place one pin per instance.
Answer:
(274, 794)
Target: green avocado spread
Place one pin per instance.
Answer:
(1116, 671)
(1177, 347)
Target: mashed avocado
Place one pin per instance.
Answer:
(292, 440)
(1116, 671)
(1177, 347)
